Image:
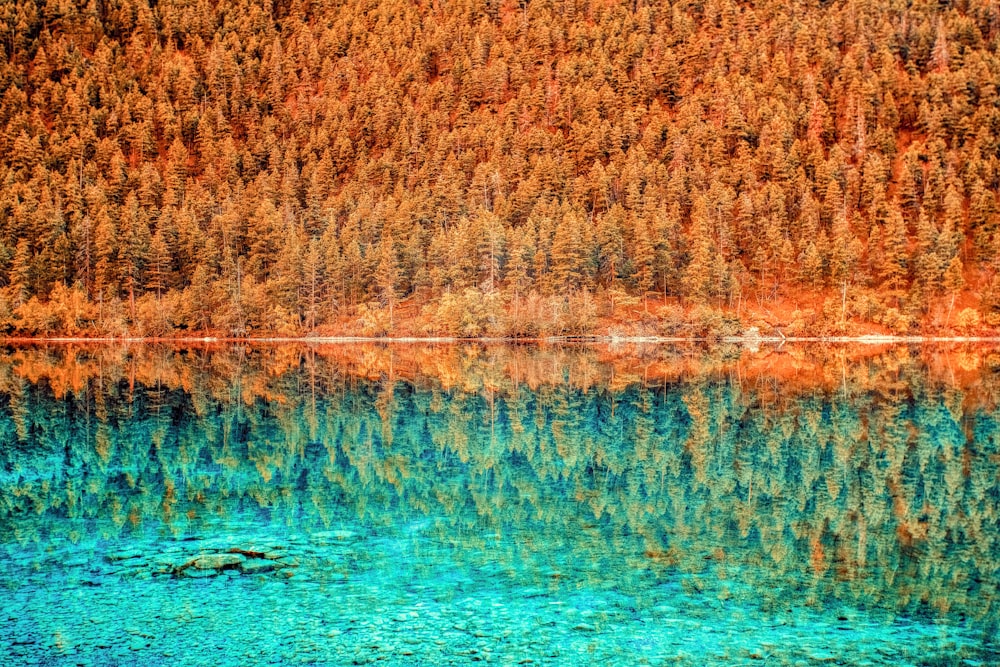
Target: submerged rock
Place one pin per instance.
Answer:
(167, 564)
(198, 574)
(267, 550)
(125, 554)
(257, 566)
(217, 561)
(247, 552)
(138, 644)
(822, 656)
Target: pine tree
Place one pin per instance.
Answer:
(286, 283)
(611, 246)
(814, 262)
(387, 276)
(200, 299)
(334, 269)
(982, 216)
(106, 278)
(643, 257)
(700, 276)
(313, 284)
(490, 249)
(567, 253)
(895, 258)
(518, 267)
(845, 251)
(134, 240)
(158, 274)
(21, 278)
(668, 251)
(927, 264)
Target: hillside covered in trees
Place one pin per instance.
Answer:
(498, 167)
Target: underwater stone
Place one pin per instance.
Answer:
(259, 549)
(257, 566)
(127, 554)
(217, 561)
(821, 656)
(138, 644)
(167, 564)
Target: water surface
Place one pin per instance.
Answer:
(449, 505)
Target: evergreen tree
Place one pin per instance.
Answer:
(894, 269)
(387, 276)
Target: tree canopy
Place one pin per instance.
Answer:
(496, 166)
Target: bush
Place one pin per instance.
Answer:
(968, 321)
(157, 316)
(671, 320)
(710, 322)
(530, 316)
(897, 322)
(111, 318)
(373, 319)
(469, 313)
(66, 312)
(579, 315)
(35, 318)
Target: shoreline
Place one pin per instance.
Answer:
(452, 340)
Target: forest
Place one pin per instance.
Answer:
(498, 167)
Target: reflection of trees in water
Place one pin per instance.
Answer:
(879, 488)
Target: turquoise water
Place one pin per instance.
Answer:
(405, 506)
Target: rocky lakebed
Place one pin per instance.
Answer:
(357, 595)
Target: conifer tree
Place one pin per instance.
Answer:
(643, 256)
(158, 274)
(895, 258)
(387, 276)
(568, 253)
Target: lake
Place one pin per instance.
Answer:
(421, 504)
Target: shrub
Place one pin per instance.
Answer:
(373, 319)
(469, 313)
(968, 321)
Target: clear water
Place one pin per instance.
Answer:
(398, 506)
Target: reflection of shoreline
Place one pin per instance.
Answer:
(495, 367)
(860, 340)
